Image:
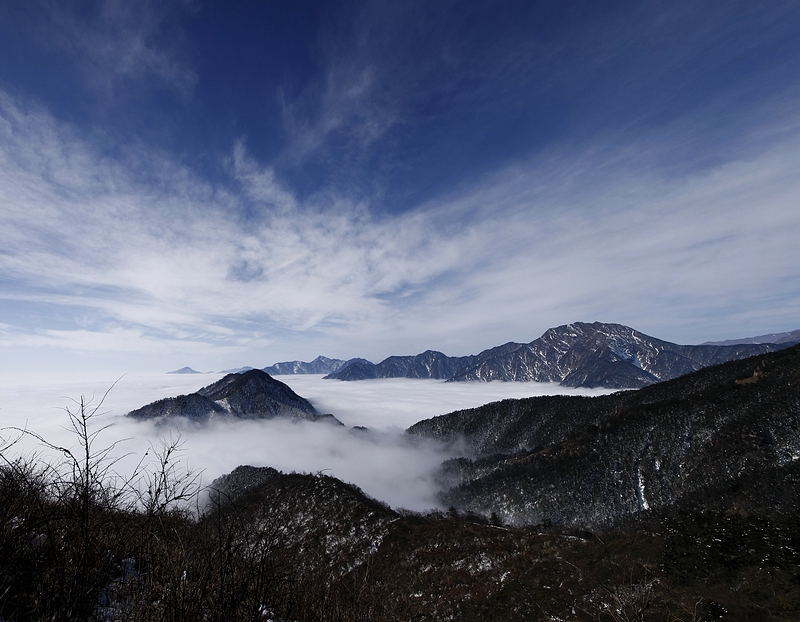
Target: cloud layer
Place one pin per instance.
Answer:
(385, 463)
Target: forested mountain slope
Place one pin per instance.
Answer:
(726, 437)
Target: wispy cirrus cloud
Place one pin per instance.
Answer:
(112, 41)
(346, 110)
(178, 257)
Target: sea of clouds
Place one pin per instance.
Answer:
(385, 463)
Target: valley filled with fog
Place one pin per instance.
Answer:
(385, 463)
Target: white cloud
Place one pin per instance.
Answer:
(183, 268)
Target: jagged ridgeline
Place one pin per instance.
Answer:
(320, 365)
(725, 438)
(250, 395)
(576, 355)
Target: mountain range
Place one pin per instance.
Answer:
(677, 501)
(725, 438)
(576, 355)
(253, 394)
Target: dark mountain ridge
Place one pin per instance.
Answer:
(575, 355)
(725, 438)
(251, 395)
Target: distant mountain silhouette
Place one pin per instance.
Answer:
(184, 370)
(788, 338)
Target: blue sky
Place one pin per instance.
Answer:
(217, 184)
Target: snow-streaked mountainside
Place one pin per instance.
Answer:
(576, 355)
(320, 365)
(250, 395)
